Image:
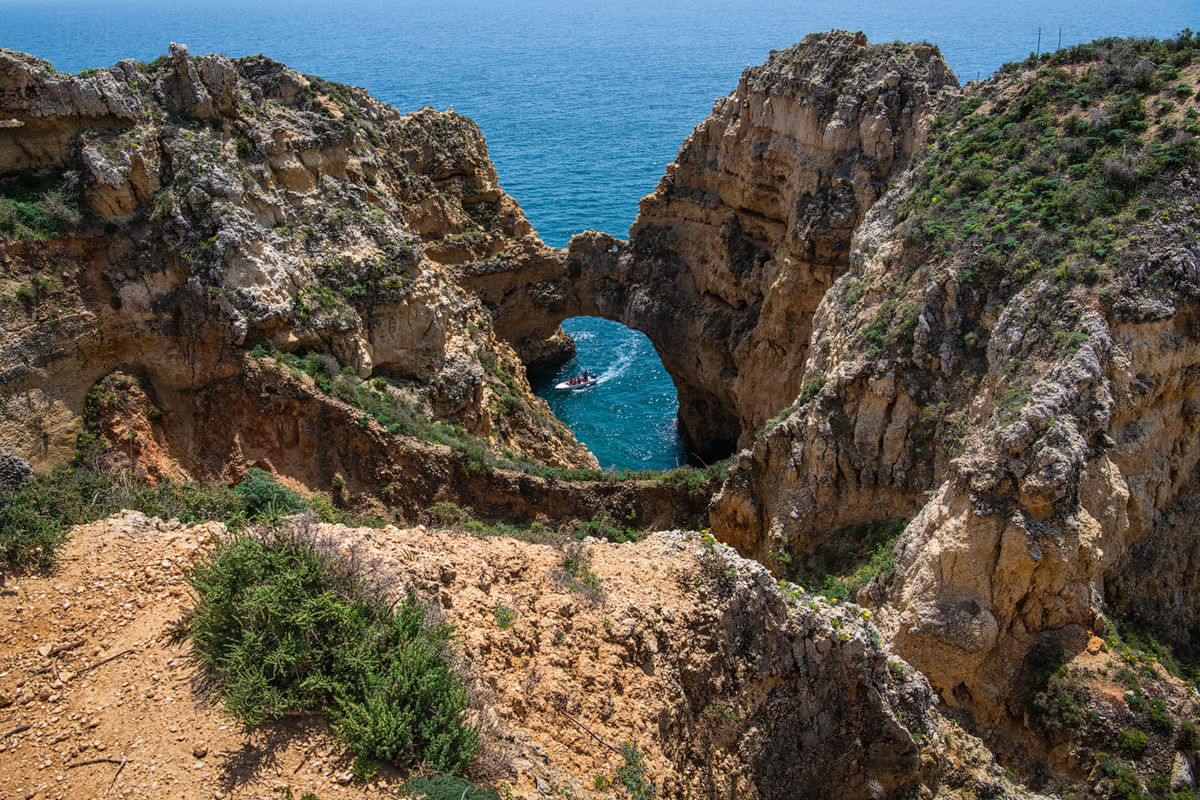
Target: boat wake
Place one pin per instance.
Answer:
(626, 355)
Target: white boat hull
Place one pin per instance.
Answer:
(583, 385)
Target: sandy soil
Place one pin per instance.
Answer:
(116, 711)
(98, 703)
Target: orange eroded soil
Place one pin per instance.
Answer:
(556, 692)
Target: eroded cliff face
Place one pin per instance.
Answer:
(269, 417)
(739, 242)
(215, 204)
(978, 310)
(731, 254)
(1014, 371)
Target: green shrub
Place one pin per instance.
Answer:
(283, 624)
(193, 501)
(1188, 738)
(634, 775)
(34, 521)
(504, 616)
(576, 571)
(365, 769)
(321, 366)
(38, 206)
(605, 528)
(261, 495)
(1124, 783)
(1159, 717)
(811, 388)
(325, 510)
(447, 787)
(449, 515)
(851, 557)
(1002, 179)
(696, 482)
(1053, 696)
(1134, 743)
(1136, 645)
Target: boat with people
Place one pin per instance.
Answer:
(579, 381)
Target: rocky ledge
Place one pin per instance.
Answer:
(1006, 363)
(730, 684)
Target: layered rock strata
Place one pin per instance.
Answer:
(731, 254)
(264, 416)
(739, 242)
(1019, 384)
(994, 335)
(223, 203)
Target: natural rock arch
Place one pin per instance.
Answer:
(749, 228)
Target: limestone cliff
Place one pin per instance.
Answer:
(283, 423)
(203, 206)
(975, 308)
(1009, 360)
(750, 226)
(733, 251)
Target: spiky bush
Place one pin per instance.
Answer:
(262, 495)
(283, 624)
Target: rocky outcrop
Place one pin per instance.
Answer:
(267, 417)
(977, 311)
(1024, 395)
(724, 269)
(227, 203)
(728, 685)
(528, 292)
(752, 223)
(731, 254)
(13, 471)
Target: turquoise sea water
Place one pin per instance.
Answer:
(582, 104)
(628, 418)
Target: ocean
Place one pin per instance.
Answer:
(583, 104)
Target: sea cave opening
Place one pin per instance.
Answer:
(628, 417)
